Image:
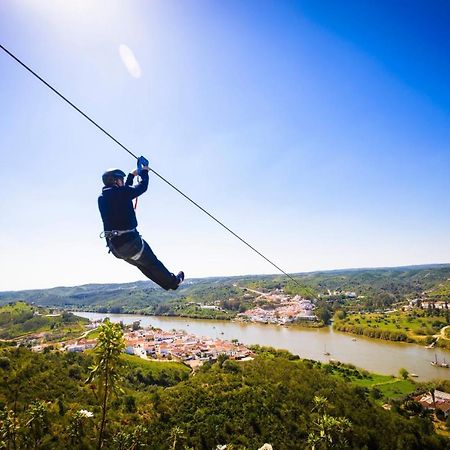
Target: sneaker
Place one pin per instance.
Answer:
(180, 277)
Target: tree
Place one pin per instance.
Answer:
(130, 404)
(61, 407)
(176, 435)
(403, 373)
(38, 423)
(77, 428)
(5, 363)
(107, 368)
(9, 428)
(440, 415)
(221, 359)
(328, 431)
(323, 311)
(134, 439)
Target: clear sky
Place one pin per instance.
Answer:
(319, 131)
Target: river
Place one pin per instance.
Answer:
(374, 355)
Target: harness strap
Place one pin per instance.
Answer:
(139, 253)
(113, 233)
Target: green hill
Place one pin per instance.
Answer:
(18, 319)
(375, 288)
(46, 404)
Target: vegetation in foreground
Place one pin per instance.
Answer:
(46, 403)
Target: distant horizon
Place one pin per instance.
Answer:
(349, 269)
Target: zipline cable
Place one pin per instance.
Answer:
(134, 156)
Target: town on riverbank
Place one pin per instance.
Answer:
(280, 308)
(23, 325)
(162, 345)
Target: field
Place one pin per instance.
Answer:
(411, 326)
(383, 387)
(390, 387)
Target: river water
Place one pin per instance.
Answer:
(378, 356)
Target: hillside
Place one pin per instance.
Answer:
(270, 399)
(372, 288)
(21, 319)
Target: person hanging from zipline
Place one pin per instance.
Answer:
(147, 261)
(119, 225)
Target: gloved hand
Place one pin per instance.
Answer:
(141, 163)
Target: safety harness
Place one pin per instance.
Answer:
(115, 233)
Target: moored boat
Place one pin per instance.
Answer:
(443, 364)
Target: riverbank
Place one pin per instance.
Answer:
(209, 315)
(373, 355)
(187, 349)
(419, 327)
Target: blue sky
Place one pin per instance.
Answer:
(319, 131)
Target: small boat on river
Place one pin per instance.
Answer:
(436, 363)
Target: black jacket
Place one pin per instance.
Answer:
(116, 206)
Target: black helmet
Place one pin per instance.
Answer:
(111, 175)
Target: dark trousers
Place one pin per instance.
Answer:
(147, 263)
(154, 269)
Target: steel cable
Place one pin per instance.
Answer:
(134, 156)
